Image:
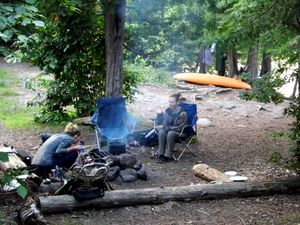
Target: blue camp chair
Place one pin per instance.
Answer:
(188, 132)
(111, 120)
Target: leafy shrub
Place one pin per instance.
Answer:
(10, 174)
(274, 157)
(70, 48)
(294, 111)
(264, 89)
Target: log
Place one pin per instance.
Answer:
(65, 203)
(83, 121)
(208, 173)
(14, 162)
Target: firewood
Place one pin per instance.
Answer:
(14, 162)
(208, 173)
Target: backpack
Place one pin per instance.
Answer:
(148, 138)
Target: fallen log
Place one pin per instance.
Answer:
(65, 203)
(83, 121)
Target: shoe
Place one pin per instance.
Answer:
(163, 159)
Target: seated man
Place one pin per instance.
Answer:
(58, 150)
(174, 119)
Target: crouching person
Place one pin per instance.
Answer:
(58, 150)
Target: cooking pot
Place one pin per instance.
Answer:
(117, 147)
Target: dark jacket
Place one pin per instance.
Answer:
(174, 120)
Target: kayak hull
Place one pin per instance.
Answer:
(207, 79)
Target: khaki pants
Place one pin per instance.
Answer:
(166, 142)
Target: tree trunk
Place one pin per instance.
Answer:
(232, 63)
(296, 87)
(220, 61)
(65, 203)
(252, 62)
(265, 64)
(114, 19)
(202, 65)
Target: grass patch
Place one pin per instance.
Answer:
(7, 92)
(13, 114)
(289, 219)
(68, 220)
(4, 220)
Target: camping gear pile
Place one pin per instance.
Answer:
(86, 179)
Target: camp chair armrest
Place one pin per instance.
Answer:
(183, 128)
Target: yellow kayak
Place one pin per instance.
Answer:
(206, 79)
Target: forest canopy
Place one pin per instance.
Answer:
(68, 39)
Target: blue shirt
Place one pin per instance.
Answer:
(52, 147)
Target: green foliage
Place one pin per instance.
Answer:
(18, 20)
(149, 74)
(278, 134)
(22, 191)
(294, 111)
(132, 77)
(9, 175)
(70, 48)
(4, 157)
(64, 49)
(288, 219)
(274, 157)
(166, 34)
(68, 220)
(264, 89)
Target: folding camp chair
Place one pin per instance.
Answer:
(189, 131)
(111, 120)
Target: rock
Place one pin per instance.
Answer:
(138, 165)
(49, 187)
(229, 107)
(278, 117)
(128, 175)
(113, 173)
(224, 90)
(141, 173)
(126, 160)
(198, 97)
(204, 122)
(209, 109)
(261, 108)
(112, 159)
(169, 205)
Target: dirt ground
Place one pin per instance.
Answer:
(239, 138)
